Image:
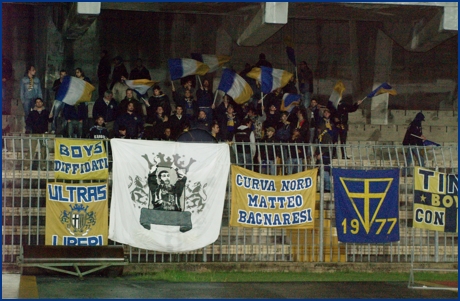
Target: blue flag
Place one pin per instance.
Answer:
(429, 142)
(366, 205)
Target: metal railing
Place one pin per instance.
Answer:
(25, 172)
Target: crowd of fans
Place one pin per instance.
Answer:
(264, 118)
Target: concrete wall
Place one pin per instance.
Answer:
(424, 80)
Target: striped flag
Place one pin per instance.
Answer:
(179, 68)
(235, 86)
(270, 78)
(383, 88)
(74, 90)
(289, 99)
(213, 61)
(141, 86)
(336, 94)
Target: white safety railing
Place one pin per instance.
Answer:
(25, 172)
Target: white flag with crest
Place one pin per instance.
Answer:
(167, 196)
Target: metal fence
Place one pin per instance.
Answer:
(25, 172)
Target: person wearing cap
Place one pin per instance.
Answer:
(119, 71)
(269, 153)
(414, 137)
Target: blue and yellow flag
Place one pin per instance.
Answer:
(270, 79)
(74, 90)
(179, 68)
(435, 200)
(80, 159)
(366, 205)
(383, 88)
(213, 61)
(235, 86)
(141, 86)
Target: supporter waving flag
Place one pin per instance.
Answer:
(383, 88)
(141, 86)
(179, 68)
(74, 90)
(270, 78)
(235, 86)
(213, 61)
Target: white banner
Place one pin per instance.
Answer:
(167, 196)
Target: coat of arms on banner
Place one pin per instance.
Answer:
(167, 196)
(78, 220)
(76, 214)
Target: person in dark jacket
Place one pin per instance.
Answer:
(106, 107)
(133, 123)
(263, 61)
(246, 148)
(119, 71)
(323, 154)
(202, 122)
(296, 153)
(57, 105)
(38, 118)
(158, 99)
(341, 121)
(204, 98)
(177, 121)
(98, 131)
(37, 121)
(130, 98)
(103, 73)
(189, 105)
(75, 116)
(139, 72)
(414, 137)
(269, 153)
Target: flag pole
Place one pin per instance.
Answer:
(215, 97)
(297, 78)
(417, 136)
(199, 79)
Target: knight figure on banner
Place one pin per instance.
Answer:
(165, 195)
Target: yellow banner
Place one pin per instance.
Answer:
(435, 200)
(76, 214)
(79, 159)
(264, 201)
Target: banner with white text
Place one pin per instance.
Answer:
(76, 214)
(264, 201)
(80, 159)
(167, 196)
(435, 200)
(366, 205)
